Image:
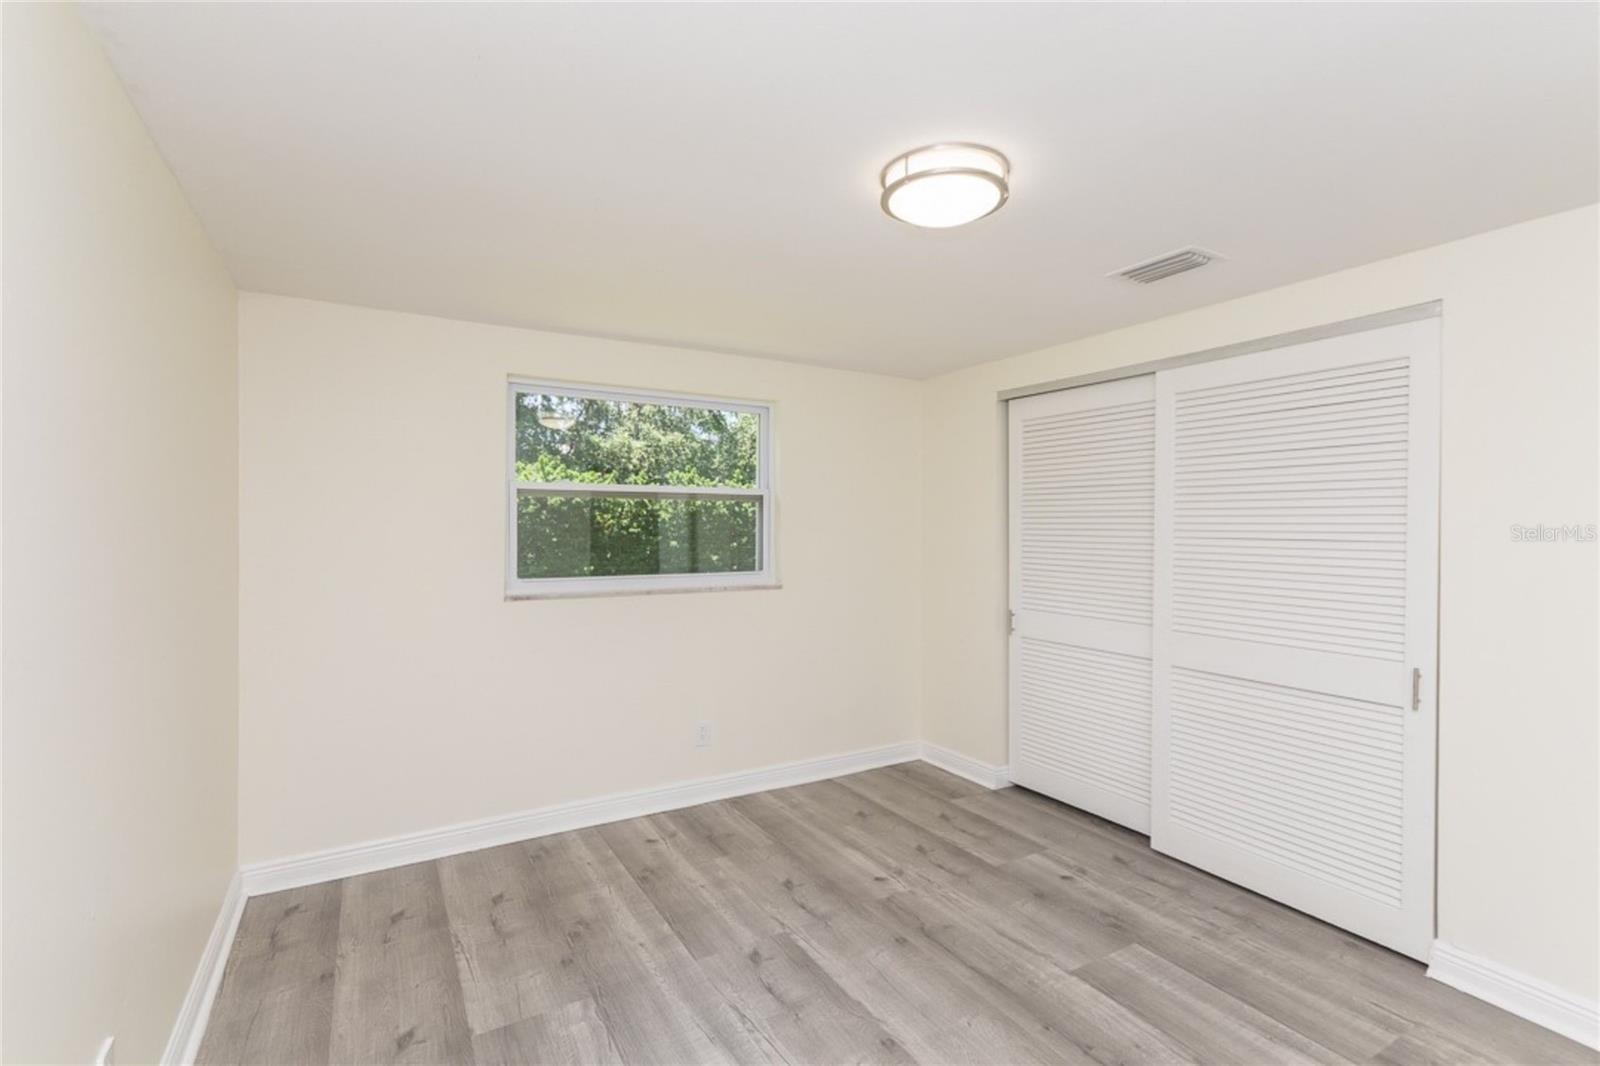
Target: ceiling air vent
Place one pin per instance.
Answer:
(1164, 266)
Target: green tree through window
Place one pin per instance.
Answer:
(577, 440)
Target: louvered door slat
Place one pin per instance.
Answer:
(1293, 579)
(1082, 544)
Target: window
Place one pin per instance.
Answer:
(615, 491)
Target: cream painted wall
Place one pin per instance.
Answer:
(387, 685)
(1519, 737)
(119, 562)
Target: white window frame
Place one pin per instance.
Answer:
(549, 587)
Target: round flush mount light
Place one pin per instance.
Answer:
(944, 185)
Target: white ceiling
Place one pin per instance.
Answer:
(707, 175)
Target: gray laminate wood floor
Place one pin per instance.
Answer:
(901, 915)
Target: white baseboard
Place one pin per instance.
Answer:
(954, 762)
(1524, 996)
(184, 1043)
(335, 863)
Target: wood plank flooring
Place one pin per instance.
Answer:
(896, 916)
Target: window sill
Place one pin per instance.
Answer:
(570, 592)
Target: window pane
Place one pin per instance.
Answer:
(603, 536)
(621, 442)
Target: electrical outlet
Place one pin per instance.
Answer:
(704, 734)
(107, 1055)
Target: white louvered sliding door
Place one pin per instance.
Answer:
(1082, 546)
(1224, 580)
(1294, 626)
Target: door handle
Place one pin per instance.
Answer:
(1416, 688)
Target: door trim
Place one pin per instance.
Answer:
(1412, 313)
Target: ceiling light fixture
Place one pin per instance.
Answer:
(944, 185)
